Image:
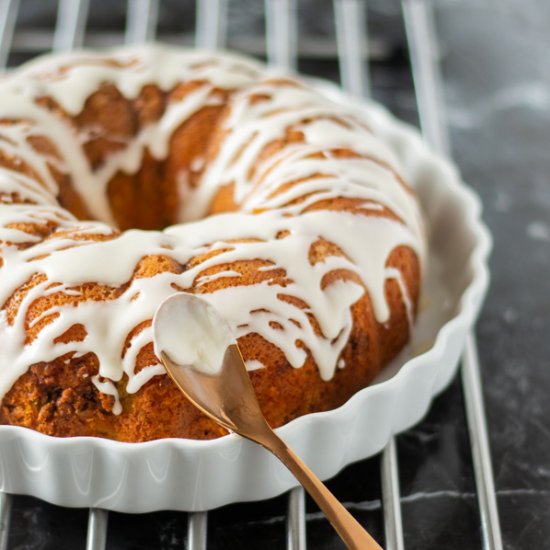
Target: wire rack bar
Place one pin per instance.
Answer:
(281, 33)
(70, 25)
(281, 39)
(391, 499)
(424, 55)
(5, 514)
(481, 453)
(211, 24)
(351, 38)
(8, 17)
(68, 35)
(210, 33)
(351, 33)
(420, 28)
(96, 538)
(141, 21)
(31, 40)
(197, 531)
(296, 520)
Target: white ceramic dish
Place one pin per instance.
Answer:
(199, 475)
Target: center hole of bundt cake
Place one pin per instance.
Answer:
(147, 173)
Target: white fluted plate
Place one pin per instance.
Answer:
(200, 475)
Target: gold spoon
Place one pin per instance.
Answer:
(228, 397)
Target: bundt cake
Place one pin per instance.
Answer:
(130, 175)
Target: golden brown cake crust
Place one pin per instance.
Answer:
(58, 398)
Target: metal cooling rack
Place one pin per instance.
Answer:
(281, 49)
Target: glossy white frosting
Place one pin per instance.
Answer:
(271, 204)
(192, 333)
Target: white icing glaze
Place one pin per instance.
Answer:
(192, 333)
(392, 273)
(271, 204)
(253, 364)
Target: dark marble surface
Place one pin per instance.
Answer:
(497, 77)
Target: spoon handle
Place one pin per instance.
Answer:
(350, 531)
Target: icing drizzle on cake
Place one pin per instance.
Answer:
(278, 221)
